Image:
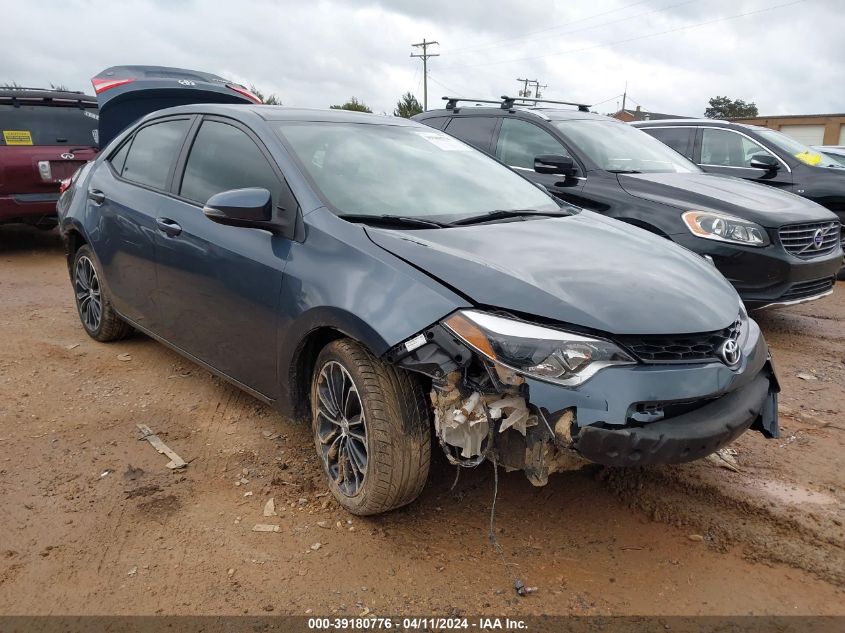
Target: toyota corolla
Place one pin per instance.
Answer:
(381, 278)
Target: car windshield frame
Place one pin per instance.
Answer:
(465, 170)
(604, 135)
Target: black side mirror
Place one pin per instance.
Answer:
(554, 164)
(247, 208)
(764, 161)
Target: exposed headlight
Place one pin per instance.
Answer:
(533, 350)
(725, 228)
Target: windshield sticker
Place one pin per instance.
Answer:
(445, 142)
(96, 135)
(17, 137)
(92, 115)
(811, 158)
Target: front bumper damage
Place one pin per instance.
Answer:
(623, 416)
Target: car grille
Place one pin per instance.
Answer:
(806, 289)
(800, 239)
(680, 348)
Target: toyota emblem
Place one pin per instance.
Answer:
(67, 156)
(730, 352)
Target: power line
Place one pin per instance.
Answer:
(630, 39)
(551, 28)
(424, 56)
(601, 24)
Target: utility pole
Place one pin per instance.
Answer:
(526, 91)
(424, 56)
(624, 96)
(537, 87)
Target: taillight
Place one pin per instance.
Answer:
(101, 85)
(64, 185)
(243, 91)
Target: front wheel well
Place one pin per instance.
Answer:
(302, 368)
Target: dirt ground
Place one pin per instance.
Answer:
(92, 521)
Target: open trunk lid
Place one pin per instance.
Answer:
(127, 93)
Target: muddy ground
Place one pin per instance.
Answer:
(92, 522)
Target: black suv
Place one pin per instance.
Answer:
(775, 248)
(755, 153)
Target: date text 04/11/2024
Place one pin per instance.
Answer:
(415, 623)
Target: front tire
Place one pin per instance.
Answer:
(93, 303)
(371, 429)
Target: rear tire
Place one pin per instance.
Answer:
(93, 303)
(371, 429)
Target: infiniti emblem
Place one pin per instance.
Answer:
(730, 352)
(818, 238)
(67, 156)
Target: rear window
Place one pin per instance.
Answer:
(48, 125)
(153, 152)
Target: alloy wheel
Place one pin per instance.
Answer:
(341, 428)
(88, 298)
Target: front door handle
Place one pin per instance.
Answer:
(96, 196)
(168, 227)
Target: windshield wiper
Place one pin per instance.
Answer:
(501, 214)
(395, 220)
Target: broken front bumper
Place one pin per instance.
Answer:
(683, 438)
(719, 404)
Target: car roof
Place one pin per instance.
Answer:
(284, 113)
(40, 96)
(545, 113)
(696, 123)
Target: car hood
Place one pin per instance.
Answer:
(584, 269)
(762, 204)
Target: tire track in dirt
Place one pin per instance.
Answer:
(683, 496)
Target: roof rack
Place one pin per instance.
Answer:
(508, 103)
(26, 88)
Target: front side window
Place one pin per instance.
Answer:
(374, 169)
(222, 158)
(620, 148)
(725, 148)
(520, 142)
(153, 152)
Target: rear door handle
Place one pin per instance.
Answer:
(168, 227)
(96, 196)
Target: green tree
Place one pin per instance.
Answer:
(407, 106)
(352, 104)
(726, 108)
(270, 99)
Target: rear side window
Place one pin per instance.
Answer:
(48, 125)
(118, 159)
(153, 151)
(222, 158)
(520, 142)
(477, 131)
(437, 122)
(678, 138)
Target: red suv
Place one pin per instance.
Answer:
(45, 136)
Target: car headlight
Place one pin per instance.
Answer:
(725, 228)
(533, 350)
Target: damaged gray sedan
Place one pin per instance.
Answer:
(396, 286)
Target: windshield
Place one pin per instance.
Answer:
(618, 147)
(797, 149)
(373, 170)
(48, 125)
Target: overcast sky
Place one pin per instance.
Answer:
(788, 56)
